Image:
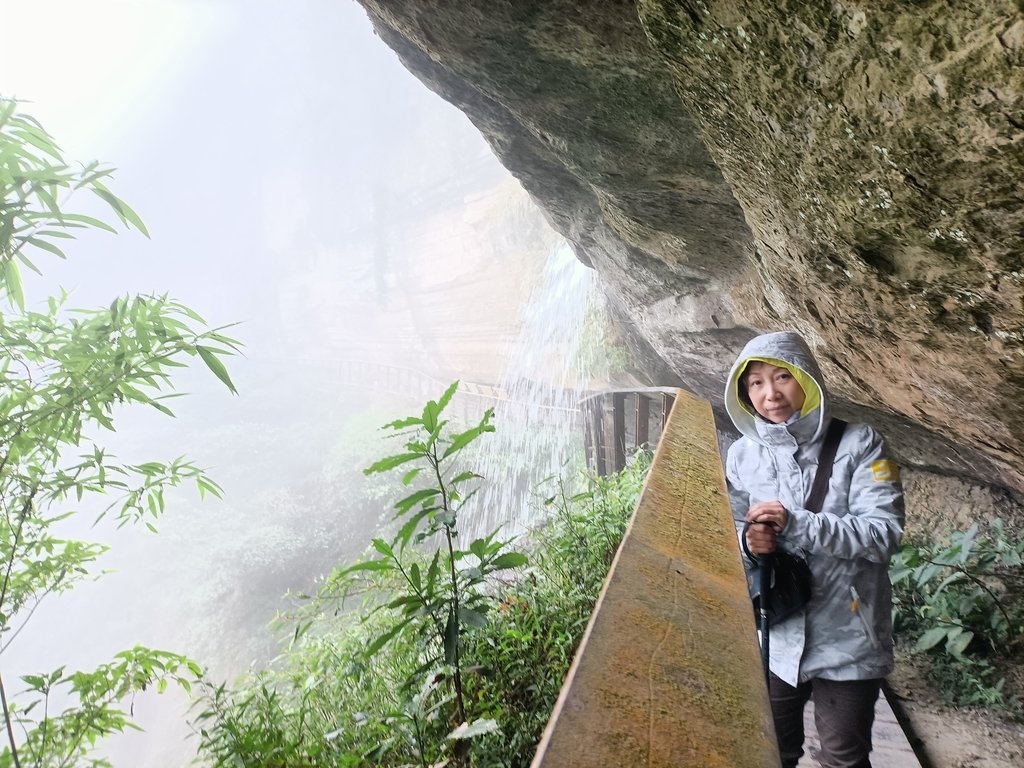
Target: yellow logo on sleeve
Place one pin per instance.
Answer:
(885, 471)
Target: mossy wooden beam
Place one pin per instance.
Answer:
(668, 673)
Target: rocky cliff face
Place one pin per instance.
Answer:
(850, 170)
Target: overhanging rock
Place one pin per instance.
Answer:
(848, 171)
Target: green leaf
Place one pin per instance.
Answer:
(209, 356)
(415, 601)
(928, 572)
(386, 638)
(509, 560)
(413, 499)
(434, 570)
(447, 396)
(405, 533)
(430, 414)
(463, 439)
(411, 421)
(479, 548)
(382, 546)
(390, 462)
(366, 565)
(958, 645)
(931, 638)
(472, 618)
(12, 283)
(122, 209)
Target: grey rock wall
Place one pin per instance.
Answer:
(849, 170)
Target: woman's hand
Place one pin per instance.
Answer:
(767, 519)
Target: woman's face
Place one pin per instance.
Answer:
(773, 392)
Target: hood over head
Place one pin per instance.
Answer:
(784, 349)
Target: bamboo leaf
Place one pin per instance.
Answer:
(91, 221)
(43, 245)
(209, 356)
(12, 283)
(121, 208)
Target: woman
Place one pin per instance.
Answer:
(839, 647)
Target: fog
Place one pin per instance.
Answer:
(297, 181)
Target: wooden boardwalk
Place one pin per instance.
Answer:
(891, 747)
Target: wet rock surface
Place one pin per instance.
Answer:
(848, 171)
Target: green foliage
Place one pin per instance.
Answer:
(525, 652)
(63, 374)
(952, 600)
(65, 736)
(377, 687)
(33, 178)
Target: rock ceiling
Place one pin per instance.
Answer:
(849, 170)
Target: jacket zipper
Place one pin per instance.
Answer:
(856, 605)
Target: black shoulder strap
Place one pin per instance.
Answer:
(825, 460)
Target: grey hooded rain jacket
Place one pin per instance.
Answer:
(845, 632)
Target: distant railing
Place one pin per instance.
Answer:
(618, 422)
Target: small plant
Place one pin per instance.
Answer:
(445, 596)
(955, 601)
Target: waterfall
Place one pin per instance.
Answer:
(539, 432)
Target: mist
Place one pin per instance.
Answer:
(355, 232)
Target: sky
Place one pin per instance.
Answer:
(240, 130)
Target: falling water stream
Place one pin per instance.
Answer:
(539, 434)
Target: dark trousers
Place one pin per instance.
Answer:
(844, 712)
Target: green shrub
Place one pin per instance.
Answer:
(525, 652)
(957, 602)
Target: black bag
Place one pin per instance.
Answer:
(789, 583)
